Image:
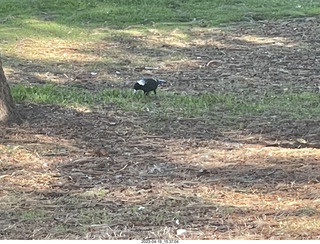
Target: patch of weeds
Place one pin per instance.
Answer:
(304, 224)
(61, 229)
(95, 192)
(32, 214)
(89, 216)
(305, 211)
(9, 149)
(147, 216)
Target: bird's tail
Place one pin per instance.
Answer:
(161, 81)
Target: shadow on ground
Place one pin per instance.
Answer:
(102, 175)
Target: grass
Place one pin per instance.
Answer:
(123, 13)
(288, 105)
(76, 19)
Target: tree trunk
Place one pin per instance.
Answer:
(8, 112)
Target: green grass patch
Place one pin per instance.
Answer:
(77, 19)
(33, 214)
(124, 12)
(169, 104)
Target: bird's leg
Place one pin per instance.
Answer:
(154, 91)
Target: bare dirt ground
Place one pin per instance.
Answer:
(105, 174)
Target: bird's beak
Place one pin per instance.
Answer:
(134, 91)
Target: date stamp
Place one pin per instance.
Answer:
(159, 241)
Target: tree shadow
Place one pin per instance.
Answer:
(145, 179)
(123, 135)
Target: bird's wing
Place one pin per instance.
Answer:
(141, 82)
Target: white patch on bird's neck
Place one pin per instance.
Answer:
(141, 82)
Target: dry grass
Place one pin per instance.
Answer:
(65, 188)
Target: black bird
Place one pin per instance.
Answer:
(147, 85)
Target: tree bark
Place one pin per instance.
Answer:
(8, 112)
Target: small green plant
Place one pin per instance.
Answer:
(33, 214)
